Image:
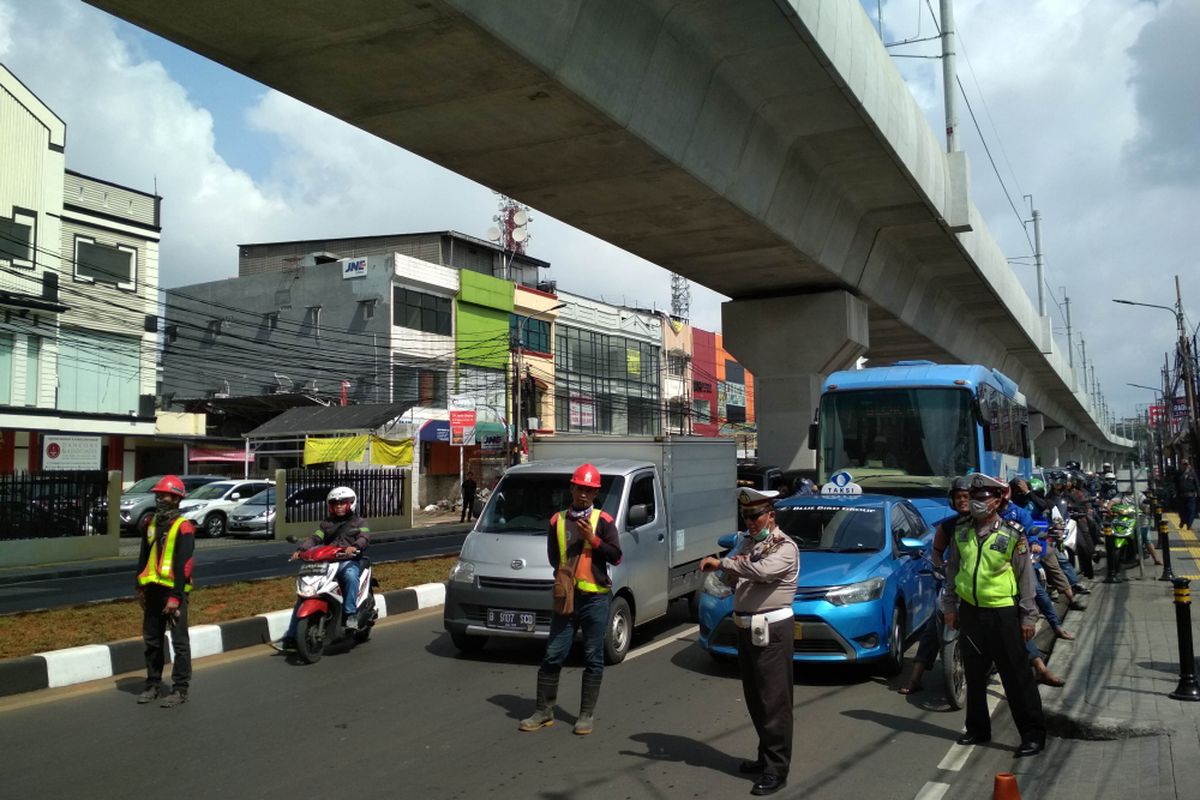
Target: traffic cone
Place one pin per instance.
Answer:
(1005, 787)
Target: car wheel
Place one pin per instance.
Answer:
(468, 645)
(214, 525)
(893, 662)
(620, 631)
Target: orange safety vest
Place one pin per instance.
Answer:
(584, 579)
(159, 569)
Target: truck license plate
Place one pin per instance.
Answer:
(511, 620)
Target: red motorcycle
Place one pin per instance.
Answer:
(319, 620)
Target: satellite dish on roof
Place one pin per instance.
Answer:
(493, 234)
(520, 217)
(519, 234)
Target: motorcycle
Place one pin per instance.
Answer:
(319, 619)
(954, 674)
(1124, 520)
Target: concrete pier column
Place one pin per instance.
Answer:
(789, 344)
(1046, 445)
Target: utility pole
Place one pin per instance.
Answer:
(949, 76)
(1070, 349)
(1094, 393)
(1185, 353)
(1037, 257)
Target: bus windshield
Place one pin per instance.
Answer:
(899, 437)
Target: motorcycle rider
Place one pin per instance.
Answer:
(1062, 498)
(163, 582)
(345, 529)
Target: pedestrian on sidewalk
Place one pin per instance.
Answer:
(581, 543)
(1187, 488)
(164, 578)
(993, 606)
(468, 498)
(762, 569)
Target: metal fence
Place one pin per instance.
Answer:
(43, 505)
(381, 492)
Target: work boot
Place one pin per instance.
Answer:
(174, 699)
(587, 706)
(547, 695)
(150, 694)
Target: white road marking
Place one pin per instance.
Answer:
(956, 757)
(933, 791)
(650, 648)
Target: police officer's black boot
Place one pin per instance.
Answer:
(587, 706)
(547, 695)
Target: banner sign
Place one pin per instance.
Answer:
(70, 452)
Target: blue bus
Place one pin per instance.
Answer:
(911, 427)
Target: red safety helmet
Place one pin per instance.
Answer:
(588, 476)
(170, 484)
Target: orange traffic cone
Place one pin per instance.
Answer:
(1005, 787)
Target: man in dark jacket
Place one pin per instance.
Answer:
(1187, 487)
(468, 498)
(586, 538)
(345, 529)
(164, 578)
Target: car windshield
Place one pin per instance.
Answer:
(143, 486)
(209, 491)
(838, 529)
(524, 503)
(264, 498)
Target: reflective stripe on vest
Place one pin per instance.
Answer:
(583, 570)
(158, 570)
(985, 576)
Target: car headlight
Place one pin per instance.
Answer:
(861, 592)
(715, 587)
(128, 503)
(462, 572)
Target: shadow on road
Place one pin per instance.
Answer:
(908, 724)
(672, 747)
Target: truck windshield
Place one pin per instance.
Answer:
(899, 437)
(524, 502)
(838, 530)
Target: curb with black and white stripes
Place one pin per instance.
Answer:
(56, 668)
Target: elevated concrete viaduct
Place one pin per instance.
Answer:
(767, 149)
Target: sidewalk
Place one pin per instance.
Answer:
(1114, 732)
(423, 525)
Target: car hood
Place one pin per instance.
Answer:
(837, 569)
(494, 554)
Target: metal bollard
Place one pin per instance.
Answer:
(1110, 553)
(1187, 689)
(1164, 543)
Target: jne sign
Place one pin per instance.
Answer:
(354, 268)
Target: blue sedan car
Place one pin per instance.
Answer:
(861, 593)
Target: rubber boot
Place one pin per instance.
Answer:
(547, 695)
(587, 706)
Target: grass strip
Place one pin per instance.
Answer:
(32, 632)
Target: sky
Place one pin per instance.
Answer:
(1092, 107)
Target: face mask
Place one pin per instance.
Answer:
(163, 504)
(979, 509)
(761, 535)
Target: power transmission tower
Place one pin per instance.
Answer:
(681, 297)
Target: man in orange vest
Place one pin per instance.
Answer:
(586, 537)
(164, 579)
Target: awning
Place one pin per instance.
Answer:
(219, 455)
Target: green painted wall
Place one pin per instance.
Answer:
(481, 320)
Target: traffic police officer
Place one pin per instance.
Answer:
(993, 605)
(163, 581)
(762, 569)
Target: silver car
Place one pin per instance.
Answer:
(137, 502)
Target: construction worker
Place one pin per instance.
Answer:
(585, 540)
(762, 569)
(164, 578)
(993, 605)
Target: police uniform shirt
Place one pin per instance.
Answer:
(766, 578)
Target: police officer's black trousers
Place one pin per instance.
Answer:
(767, 681)
(993, 635)
(155, 629)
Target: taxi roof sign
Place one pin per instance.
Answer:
(841, 484)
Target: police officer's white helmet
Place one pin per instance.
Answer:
(342, 493)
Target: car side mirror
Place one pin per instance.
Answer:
(911, 547)
(638, 515)
(235, 496)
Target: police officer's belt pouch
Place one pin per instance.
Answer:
(564, 587)
(760, 631)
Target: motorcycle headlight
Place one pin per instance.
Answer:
(713, 586)
(462, 572)
(861, 592)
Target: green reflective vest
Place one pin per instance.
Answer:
(160, 566)
(985, 576)
(583, 570)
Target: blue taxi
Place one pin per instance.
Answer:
(863, 590)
